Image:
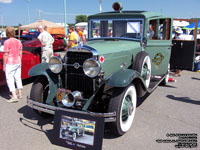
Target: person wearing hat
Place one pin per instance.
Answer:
(46, 44)
(178, 31)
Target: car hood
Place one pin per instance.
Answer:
(32, 43)
(113, 54)
(104, 47)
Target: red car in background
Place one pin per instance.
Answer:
(30, 56)
(35, 45)
(29, 60)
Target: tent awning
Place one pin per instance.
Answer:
(192, 26)
(52, 27)
(81, 24)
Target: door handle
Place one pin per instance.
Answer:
(181, 44)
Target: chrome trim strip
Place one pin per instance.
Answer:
(71, 65)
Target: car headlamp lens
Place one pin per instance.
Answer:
(91, 67)
(55, 64)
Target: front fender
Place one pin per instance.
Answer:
(39, 69)
(123, 78)
(42, 69)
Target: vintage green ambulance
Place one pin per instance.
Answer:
(126, 56)
(76, 129)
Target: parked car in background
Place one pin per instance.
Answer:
(22, 39)
(89, 128)
(35, 45)
(31, 35)
(29, 59)
(105, 77)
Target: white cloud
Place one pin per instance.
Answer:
(5, 1)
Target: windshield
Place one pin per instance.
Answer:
(116, 28)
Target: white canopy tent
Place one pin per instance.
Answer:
(52, 27)
(180, 23)
(82, 24)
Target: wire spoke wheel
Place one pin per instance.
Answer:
(126, 108)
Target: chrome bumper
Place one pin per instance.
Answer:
(108, 117)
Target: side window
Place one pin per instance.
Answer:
(164, 29)
(159, 29)
(151, 32)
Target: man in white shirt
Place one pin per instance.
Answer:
(85, 34)
(46, 44)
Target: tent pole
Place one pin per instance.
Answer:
(65, 18)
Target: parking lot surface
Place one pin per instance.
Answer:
(169, 113)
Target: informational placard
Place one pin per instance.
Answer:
(78, 131)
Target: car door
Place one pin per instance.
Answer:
(159, 44)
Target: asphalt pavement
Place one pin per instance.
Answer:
(169, 115)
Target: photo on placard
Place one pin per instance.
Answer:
(78, 131)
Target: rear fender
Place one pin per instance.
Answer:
(42, 69)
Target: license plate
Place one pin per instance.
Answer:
(61, 94)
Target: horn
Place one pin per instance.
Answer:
(71, 98)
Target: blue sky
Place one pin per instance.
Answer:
(15, 12)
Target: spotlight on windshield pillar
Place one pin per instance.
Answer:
(117, 6)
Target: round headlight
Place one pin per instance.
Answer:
(55, 64)
(91, 67)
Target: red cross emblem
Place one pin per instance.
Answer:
(101, 59)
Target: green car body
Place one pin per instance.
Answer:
(73, 132)
(124, 59)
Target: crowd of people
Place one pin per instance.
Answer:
(75, 37)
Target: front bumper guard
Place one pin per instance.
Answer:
(108, 117)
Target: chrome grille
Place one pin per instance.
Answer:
(76, 79)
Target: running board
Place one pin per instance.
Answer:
(155, 81)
